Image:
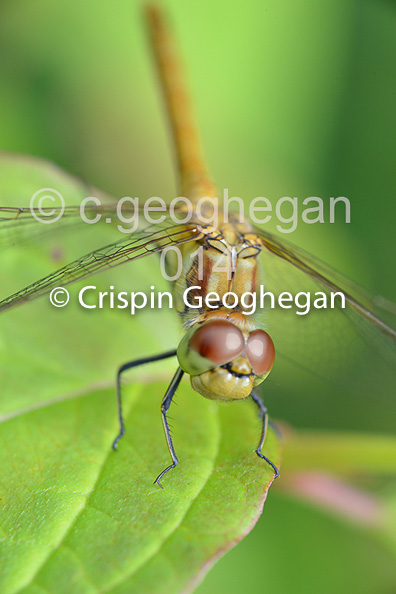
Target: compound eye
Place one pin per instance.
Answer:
(219, 341)
(260, 352)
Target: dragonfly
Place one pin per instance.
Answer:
(226, 351)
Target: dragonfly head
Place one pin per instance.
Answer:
(225, 363)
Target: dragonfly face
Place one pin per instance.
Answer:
(224, 361)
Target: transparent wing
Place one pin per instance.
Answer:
(18, 217)
(358, 299)
(139, 245)
(19, 225)
(27, 181)
(330, 342)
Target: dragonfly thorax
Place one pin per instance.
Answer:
(222, 263)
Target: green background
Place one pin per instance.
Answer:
(293, 98)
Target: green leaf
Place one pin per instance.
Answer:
(76, 512)
(76, 515)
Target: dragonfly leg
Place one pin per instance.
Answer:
(121, 370)
(166, 402)
(263, 410)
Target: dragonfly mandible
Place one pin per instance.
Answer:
(226, 353)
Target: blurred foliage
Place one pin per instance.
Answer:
(293, 98)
